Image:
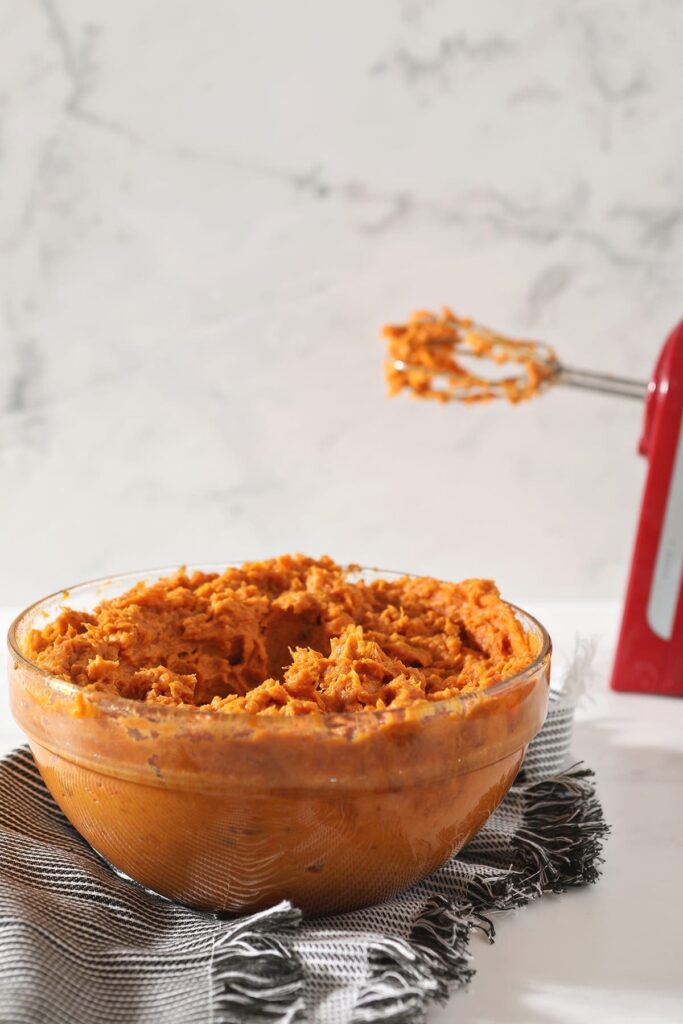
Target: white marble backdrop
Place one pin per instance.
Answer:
(208, 207)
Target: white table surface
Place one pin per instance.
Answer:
(609, 952)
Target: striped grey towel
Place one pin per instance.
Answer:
(79, 945)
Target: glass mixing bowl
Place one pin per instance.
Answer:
(236, 812)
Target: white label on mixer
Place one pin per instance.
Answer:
(666, 583)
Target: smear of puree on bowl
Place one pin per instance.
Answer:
(288, 636)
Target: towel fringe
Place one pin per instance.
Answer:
(407, 973)
(557, 846)
(559, 843)
(256, 977)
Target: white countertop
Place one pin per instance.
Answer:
(609, 952)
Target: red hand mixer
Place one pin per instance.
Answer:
(425, 356)
(649, 656)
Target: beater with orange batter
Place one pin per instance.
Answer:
(425, 357)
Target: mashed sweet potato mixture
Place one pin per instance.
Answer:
(291, 635)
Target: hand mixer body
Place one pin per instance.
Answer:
(649, 656)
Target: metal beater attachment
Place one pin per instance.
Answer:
(452, 358)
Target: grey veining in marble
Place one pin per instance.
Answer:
(207, 210)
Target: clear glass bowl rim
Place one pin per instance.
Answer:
(127, 705)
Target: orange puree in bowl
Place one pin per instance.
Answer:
(288, 636)
(288, 729)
